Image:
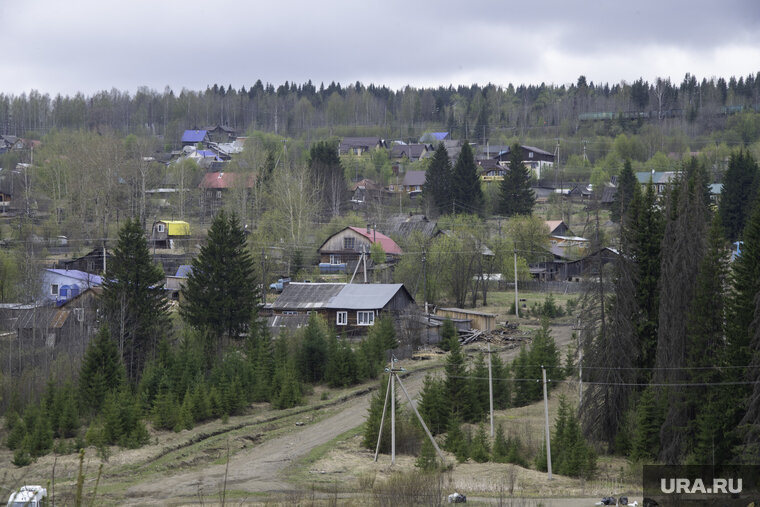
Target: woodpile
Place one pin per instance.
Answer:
(508, 335)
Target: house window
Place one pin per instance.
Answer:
(334, 259)
(348, 243)
(365, 318)
(54, 289)
(160, 227)
(218, 194)
(342, 318)
(79, 314)
(530, 154)
(289, 312)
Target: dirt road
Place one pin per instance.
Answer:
(259, 469)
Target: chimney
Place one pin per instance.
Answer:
(367, 228)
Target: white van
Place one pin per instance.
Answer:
(28, 496)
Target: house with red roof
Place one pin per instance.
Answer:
(216, 185)
(345, 247)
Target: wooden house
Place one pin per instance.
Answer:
(60, 285)
(359, 145)
(411, 152)
(91, 262)
(216, 185)
(346, 246)
(350, 307)
(413, 182)
(221, 134)
(73, 321)
(535, 159)
(557, 227)
(166, 232)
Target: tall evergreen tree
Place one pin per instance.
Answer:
(312, 356)
(627, 187)
(456, 380)
(102, 370)
(683, 248)
(221, 289)
(328, 177)
(134, 299)
(738, 193)
(709, 435)
(516, 196)
(437, 191)
(648, 232)
(465, 183)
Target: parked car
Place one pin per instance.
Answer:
(28, 496)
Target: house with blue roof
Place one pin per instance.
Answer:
(193, 137)
(61, 285)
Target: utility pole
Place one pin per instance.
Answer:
(546, 425)
(580, 375)
(393, 412)
(490, 386)
(393, 371)
(424, 297)
(517, 301)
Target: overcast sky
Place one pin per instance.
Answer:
(63, 47)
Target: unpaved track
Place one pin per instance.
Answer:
(259, 469)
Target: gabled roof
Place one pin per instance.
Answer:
(412, 178)
(222, 180)
(366, 296)
(194, 136)
(360, 142)
(554, 224)
(368, 184)
(389, 246)
(409, 150)
(337, 296)
(404, 225)
(81, 276)
(306, 296)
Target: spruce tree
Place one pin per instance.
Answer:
(465, 183)
(456, 380)
(221, 289)
(312, 356)
(437, 191)
(516, 196)
(434, 406)
(684, 241)
(102, 370)
(738, 194)
(646, 435)
(627, 187)
(709, 437)
(328, 177)
(648, 233)
(134, 299)
(480, 450)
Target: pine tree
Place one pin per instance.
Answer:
(437, 191)
(628, 187)
(221, 289)
(516, 196)
(102, 370)
(465, 183)
(738, 194)
(134, 299)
